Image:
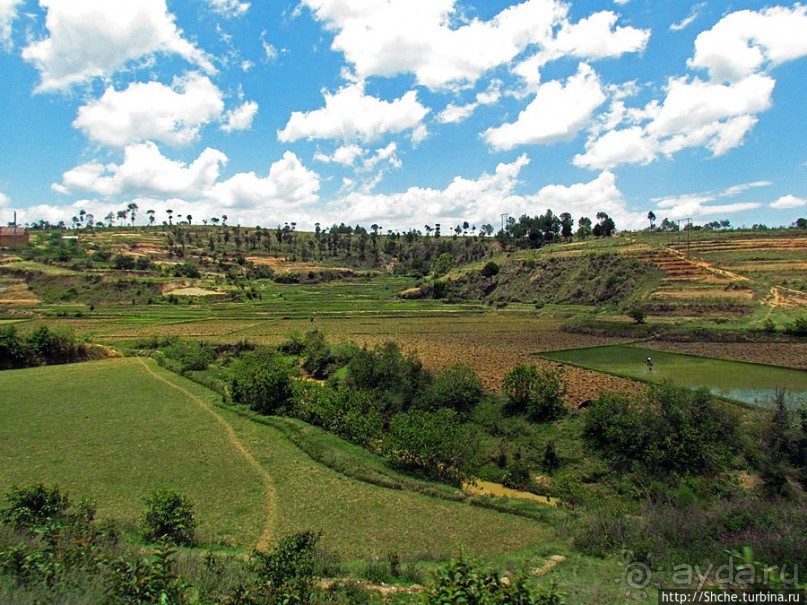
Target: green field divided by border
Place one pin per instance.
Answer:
(114, 430)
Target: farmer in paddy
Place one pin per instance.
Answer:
(649, 364)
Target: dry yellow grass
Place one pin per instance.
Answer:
(487, 488)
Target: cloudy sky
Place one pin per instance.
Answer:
(403, 112)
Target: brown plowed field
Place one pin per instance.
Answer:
(493, 355)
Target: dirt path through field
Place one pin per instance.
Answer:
(708, 266)
(265, 540)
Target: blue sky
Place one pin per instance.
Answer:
(403, 113)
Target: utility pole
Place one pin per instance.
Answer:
(688, 229)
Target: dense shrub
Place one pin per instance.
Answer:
(458, 388)
(14, 352)
(42, 346)
(135, 580)
(124, 262)
(187, 269)
(435, 443)
(394, 377)
(798, 327)
(785, 447)
(55, 346)
(668, 430)
(263, 382)
(351, 414)
(490, 269)
(168, 518)
(461, 581)
(287, 573)
(637, 314)
(191, 355)
(34, 506)
(320, 359)
(538, 393)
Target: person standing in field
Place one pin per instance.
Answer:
(649, 364)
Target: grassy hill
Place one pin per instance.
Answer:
(114, 430)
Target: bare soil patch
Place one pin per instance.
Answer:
(192, 292)
(284, 265)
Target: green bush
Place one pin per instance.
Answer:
(458, 388)
(461, 581)
(433, 442)
(14, 351)
(517, 475)
(168, 518)
(35, 506)
(490, 269)
(351, 414)
(54, 346)
(798, 327)
(187, 269)
(191, 355)
(124, 262)
(538, 393)
(668, 431)
(392, 376)
(263, 382)
(637, 314)
(135, 581)
(287, 573)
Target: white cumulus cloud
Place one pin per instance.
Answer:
(152, 111)
(351, 115)
(744, 42)
(240, 118)
(789, 201)
(95, 38)
(598, 37)
(627, 146)
(429, 38)
(288, 185)
(707, 203)
(145, 171)
(483, 199)
(558, 112)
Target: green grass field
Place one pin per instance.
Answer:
(110, 432)
(751, 383)
(114, 430)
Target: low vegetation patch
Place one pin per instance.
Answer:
(611, 279)
(43, 346)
